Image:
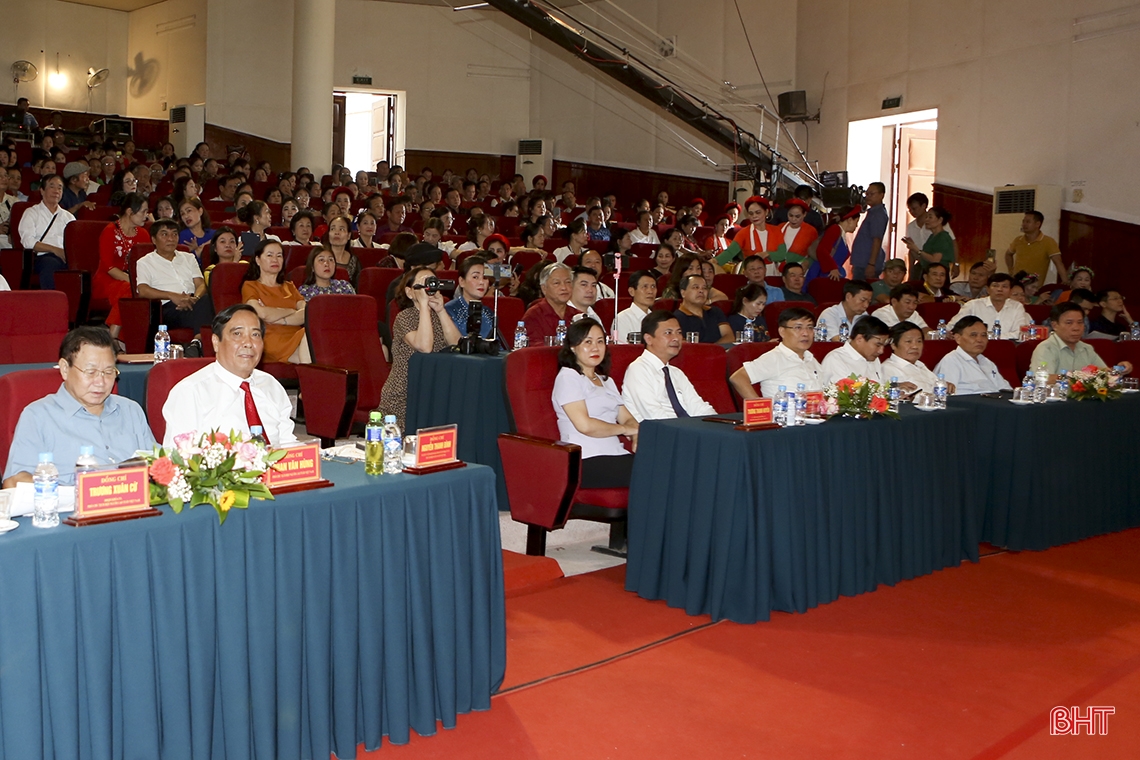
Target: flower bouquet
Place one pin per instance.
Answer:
(1095, 383)
(858, 397)
(210, 468)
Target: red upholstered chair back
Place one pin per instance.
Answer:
(511, 312)
(17, 390)
(341, 331)
(374, 281)
(526, 259)
(161, 378)
(932, 312)
(773, 311)
(668, 304)
(621, 356)
(1039, 312)
(369, 257)
(225, 283)
(81, 243)
(821, 350)
(640, 263)
(1113, 352)
(934, 350)
(1023, 356)
(644, 250)
(736, 358)
(14, 224)
(706, 366)
(32, 325)
(1003, 353)
(295, 256)
(826, 289)
(530, 377)
(729, 283)
(97, 214)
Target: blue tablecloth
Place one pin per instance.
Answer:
(301, 627)
(466, 390)
(132, 378)
(737, 524)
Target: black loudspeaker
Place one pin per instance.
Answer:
(793, 104)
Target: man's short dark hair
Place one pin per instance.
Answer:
(88, 335)
(580, 270)
(744, 264)
(794, 313)
(1001, 277)
(940, 265)
(855, 287)
(869, 327)
(1103, 295)
(977, 265)
(966, 322)
(901, 329)
(1063, 308)
(900, 291)
(223, 317)
(918, 198)
(791, 264)
(684, 284)
(636, 278)
(1083, 294)
(1036, 215)
(880, 185)
(654, 318)
(160, 224)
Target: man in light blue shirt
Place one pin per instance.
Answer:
(966, 367)
(867, 257)
(83, 412)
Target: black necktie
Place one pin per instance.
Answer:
(672, 393)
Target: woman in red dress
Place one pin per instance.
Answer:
(111, 280)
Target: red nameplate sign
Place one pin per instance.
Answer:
(757, 411)
(300, 465)
(815, 403)
(435, 450)
(111, 495)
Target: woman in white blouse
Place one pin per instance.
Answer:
(904, 362)
(589, 408)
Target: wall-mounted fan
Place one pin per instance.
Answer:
(23, 71)
(94, 79)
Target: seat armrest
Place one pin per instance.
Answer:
(76, 285)
(329, 395)
(540, 500)
(136, 316)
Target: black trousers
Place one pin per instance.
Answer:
(201, 314)
(607, 472)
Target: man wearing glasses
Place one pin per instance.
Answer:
(83, 412)
(788, 364)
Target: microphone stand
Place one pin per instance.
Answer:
(617, 287)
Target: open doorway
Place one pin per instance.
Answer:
(364, 129)
(898, 151)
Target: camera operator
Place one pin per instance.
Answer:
(472, 288)
(418, 327)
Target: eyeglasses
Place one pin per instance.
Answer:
(91, 373)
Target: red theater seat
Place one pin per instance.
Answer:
(826, 289)
(932, 312)
(161, 378)
(736, 358)
(17, 390)
(706, 366)
(32, 325)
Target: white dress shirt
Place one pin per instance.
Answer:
(586, 312)
(1012, 315)
(917, 373)
(37, 219)
(636, 237)
(845, 361)
(833, 316)
(643, 391)
(971, 376)
(174, 276)
(890, 318)
(629, 320)
(921, 234)
(781, 366)
(212, 398)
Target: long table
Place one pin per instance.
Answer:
(301, 627)
(737, 524)
(132, 378)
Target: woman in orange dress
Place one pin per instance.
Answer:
(111, 280)
(277, 301)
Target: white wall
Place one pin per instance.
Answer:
(167, 66)
(1018, 101)
(85, 37)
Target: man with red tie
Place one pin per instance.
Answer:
(231, 393)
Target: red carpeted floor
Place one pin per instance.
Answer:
(964, 663)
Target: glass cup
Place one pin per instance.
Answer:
(410, 445)
(633, 338)
(6, 497)
(924, 400)
(739, 336)
(177, 351)
(551, 340)
(692, 337)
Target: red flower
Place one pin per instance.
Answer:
(878, 404)
(220, 437)
(162, 470)
(1079, 387)
(844, 383)
(1091, 369)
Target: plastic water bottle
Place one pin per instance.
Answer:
(560, 333)
(393, 446)
(995, 333)
(844, 331)
(801, 404)
(941, 391)
(1041, 381)
(821, 332)
(373, 444)
(894, 393)
(1028, 387)
(749, 332)
(780, 406)
(1135, 331)
(45, 511)
(520, 336)
(86, 460)
(161, 345)
(791, 409)
(1063, 382)
(257, 432)
(942, 329)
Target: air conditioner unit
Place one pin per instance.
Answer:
(187, 128)
(535, 157)
(1011, 203)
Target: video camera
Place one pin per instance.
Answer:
(433, 285)
(473, 342)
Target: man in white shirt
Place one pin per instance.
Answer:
(966, 367)
(917, 204)
(644, 232)
(174, 277)
(41, 231)
(584, 294)
(902, 308)
(230, 393)
(7, 201)
(997, 306)
(856, 298)
(643, 288)
(788, 364)
(654, 390)
(860, 355)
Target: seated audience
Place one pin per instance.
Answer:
(687, 264)
(966, 367)
(278, 303)
(584, 293)
(259, 218)
(423, 326)
(860, 355)
(366, 225)
(337, 239)
(196, 230)
(709, 271)
(596, 225)
(174, 278)
(695, 316)
(748, 306)
(593, 260)
(643, 289)
(902, 308)
(577, 238)
(939, 246)
(793, 287)
(111, 280)
(472, 287)
(975, 284)
(663, 260)
(76, 176)
(320, 276)
(788, 364)
(301, 228)
(83, 412)
(398, 249)
(1064, 349)
(894, 272)
(905, 361)
(1113, 320)
(853, 307)
(653, 390)
(794, 238)
(1080, 278)
(590, 409)
(231, 393)
(225, 248)
(754, 269)
(997, 306)
(555, 282)
(41, 231)
(934, 288)
(477, 234)
(644, 232)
